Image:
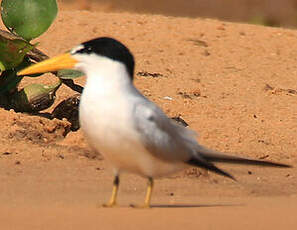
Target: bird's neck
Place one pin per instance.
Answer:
(111, 78)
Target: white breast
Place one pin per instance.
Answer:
(106, 119)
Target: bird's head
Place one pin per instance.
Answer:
(86, 55)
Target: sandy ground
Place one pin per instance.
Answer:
(265, 12)
(235, 84)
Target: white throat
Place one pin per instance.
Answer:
(105, 106)
(103, 73)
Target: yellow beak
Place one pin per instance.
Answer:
(64, 61)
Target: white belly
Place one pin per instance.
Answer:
(109, 129)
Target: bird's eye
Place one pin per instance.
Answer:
(77, 49)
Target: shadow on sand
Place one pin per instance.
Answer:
(193, 205)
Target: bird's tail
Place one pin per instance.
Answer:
(213, 156)
(206, 157)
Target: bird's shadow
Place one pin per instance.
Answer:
(193, 205)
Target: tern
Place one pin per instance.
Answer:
(129, 130)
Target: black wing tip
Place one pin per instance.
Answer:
(271, 164)
(285, 166)
(231, 177)
(202, 163)
(240, 160)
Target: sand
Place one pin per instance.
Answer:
(235, 84)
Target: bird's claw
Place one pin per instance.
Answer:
(141, 206)
(109, 205)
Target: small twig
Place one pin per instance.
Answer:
(70, 83)
(37, 55)
(9, 35)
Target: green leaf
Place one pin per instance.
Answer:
(2, 67)
(12, 52)
(34, 90)
(9, 80)
(35, 97)
(28, 18)
(69, 74)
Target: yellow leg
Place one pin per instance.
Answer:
(113, 199)
(148, 196)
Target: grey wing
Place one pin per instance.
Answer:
(171, 142)
(162, 137)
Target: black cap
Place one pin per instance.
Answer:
(111, 48)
